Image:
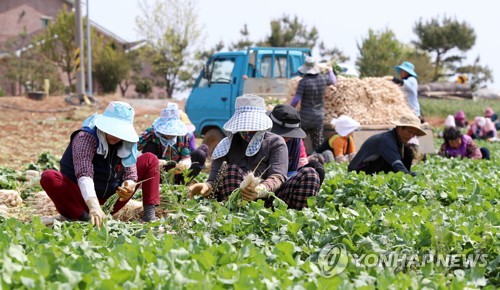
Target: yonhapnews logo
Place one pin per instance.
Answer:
(334, 258)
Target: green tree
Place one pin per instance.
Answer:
(132, 75)
(173, 36)
(290, 32)
(110, 65)
(422, 61)
(479, 75)
(441, 37)
(334, 55)
(27, 67)
(244, 42)
(378, 53)
(57, 43)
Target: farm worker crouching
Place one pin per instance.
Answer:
(483, 128)
(461, 119)
(309, 94)
(458, 145)
(489, 113)
(168, 139)
(388, 151)
(249, 146)
(286, 123)
(99, 159)
(340, 147)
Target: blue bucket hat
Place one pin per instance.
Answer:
(169, 122)
(118, 120)
(407, 67)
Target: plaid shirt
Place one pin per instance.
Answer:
(312, 89)
(84, 148)
(149, 142)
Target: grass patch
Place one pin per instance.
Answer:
(441, 108)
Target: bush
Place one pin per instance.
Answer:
(144, 87)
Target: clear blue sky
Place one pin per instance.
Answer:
(340, 23)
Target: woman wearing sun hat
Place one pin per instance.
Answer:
(408, 80)
(310, 94)
(100, 159)
(388, 151)
(286, 123)
(250, 146)
(169, 140)
(340, 147)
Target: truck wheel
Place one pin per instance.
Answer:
(212, 137)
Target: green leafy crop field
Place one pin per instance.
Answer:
(439, 230)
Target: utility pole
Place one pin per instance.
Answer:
(79, 64)
(89, 54)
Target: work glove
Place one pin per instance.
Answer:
(96, 214)
(251, 194)
(389, 78)
(202, 188)
(126, 190)
(350, 156)
(162, 162)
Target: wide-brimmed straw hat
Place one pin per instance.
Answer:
(310, 66)
(345, 125)
(169, 122)
(286, 122)
(249, 115)
(408, 67)
(118, 120)
(410, 121)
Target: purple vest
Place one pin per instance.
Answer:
(460, 151)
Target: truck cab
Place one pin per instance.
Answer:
(264, 71)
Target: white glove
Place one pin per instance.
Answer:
(96, 214)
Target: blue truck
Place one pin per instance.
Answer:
(264, 71)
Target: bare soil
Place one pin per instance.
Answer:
(30, 127)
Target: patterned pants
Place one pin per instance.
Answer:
(294, 192)
(316, 135)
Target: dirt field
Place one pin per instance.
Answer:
(30, 127)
